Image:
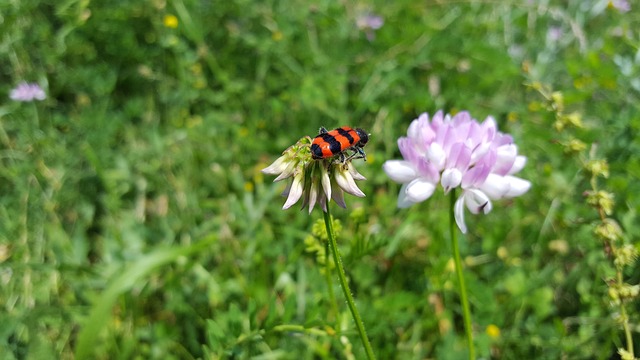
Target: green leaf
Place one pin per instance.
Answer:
(122, 283)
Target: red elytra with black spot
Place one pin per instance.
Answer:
(335, 142)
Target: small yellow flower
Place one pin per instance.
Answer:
(493, 331)
(193, 121)
(200, 83)
(502, 252)
(277, 36)
(196, 69)
(248, 186)
(582, 82)
(5, 252)
(83, 99)
(371, 157)
(170, 21)
(451, 265)
(560, 246)
(331, 331)
(516, 261)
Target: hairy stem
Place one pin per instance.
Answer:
(345, 286)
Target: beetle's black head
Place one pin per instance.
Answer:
(364, 137)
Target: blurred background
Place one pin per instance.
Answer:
(135, 222)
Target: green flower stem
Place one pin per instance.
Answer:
(345, 286)
(625, 324)
(462, 287)
(36, 115)
(623, 310)
(327, 274)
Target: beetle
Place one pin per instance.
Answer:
(337, 142)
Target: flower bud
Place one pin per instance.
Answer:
(574, 146)
(625, 255)
(557, 101)
(601, 199)
(608, 230)
(597, 168)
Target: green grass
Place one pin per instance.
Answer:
(135, 222)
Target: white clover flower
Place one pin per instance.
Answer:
(457, 152)
(316, 182)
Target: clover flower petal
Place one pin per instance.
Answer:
(458, 211)
(355, 174)
(496, 186)
(419, 190)
(518, 164)
(277, 167)
(517, 186)
(338, 195)
(326, 181)
(345, 181)
(477, 201)
(287, 172)
(403, 199)
(400, 171)
(295, 191)
(451, 178)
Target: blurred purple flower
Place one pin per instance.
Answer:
(368, 23)
(456, 152)
(554, 33)
(620, 5)
(27, 92)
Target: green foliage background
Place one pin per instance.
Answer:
(135, 222)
